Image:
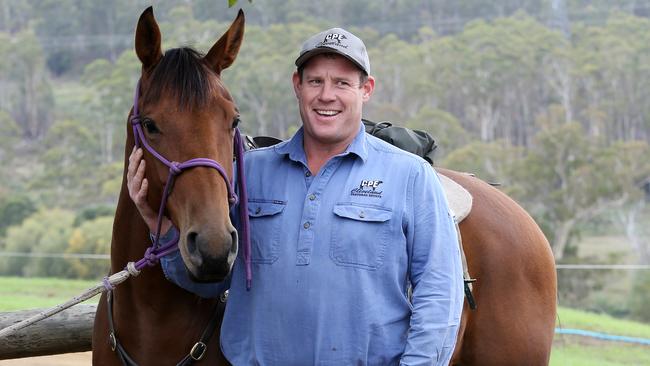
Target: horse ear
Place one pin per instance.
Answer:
(147, 39)
(224, 52)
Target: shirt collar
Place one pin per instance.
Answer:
(294, 146)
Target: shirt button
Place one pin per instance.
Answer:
(306, 225)
(362, 215)
(312, 197)
(308, 174)
(258, 210)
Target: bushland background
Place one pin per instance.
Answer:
(549, 98)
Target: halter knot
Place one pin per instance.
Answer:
(134, 119)
(174, 168)
(107, 284)
(233, 199)
(132, 269)
(150, 257)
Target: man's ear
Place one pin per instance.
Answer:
(296, 84)
(368, 87)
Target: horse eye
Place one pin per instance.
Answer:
(150, 126)
(235, 122)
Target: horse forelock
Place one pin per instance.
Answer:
(182, 75)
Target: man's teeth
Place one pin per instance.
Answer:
(327, 113)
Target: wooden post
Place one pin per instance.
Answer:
(68, 331)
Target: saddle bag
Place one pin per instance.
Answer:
(418, 142)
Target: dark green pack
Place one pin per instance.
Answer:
(417, 142)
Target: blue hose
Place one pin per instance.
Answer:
(607, 337)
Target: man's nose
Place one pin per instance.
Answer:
(327, 92)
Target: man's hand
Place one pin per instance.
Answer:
(138, 185)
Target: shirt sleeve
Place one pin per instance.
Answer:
(176, 272)
(435, 273)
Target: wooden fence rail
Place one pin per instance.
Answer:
(68, 331)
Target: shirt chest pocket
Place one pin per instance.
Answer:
(359, 235)
(265, 218)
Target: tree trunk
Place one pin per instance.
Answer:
(561, 238)
(629, 221)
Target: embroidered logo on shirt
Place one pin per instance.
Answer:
(368, 188)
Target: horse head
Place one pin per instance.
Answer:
(186, 113)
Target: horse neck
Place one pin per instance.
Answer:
(130, 233)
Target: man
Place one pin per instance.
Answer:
(343, 226)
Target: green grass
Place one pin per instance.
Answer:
(577, 353)
(573, 350)
(17, 293)
(572, 318)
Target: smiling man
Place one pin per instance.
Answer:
(355, 255)
(331, 85)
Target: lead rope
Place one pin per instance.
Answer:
(243, 208)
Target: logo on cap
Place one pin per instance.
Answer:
(334, 37)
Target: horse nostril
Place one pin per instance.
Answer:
(234, 244)
(191, 242)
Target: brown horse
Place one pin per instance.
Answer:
(186, 113)
(515, 288)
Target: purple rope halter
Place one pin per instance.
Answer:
(154, 253)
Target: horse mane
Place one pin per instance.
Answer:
(182, 75)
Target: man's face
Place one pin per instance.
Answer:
(330, 98)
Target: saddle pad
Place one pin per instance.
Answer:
(459, 199)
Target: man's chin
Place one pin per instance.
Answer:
(327, 133)
(327, 139)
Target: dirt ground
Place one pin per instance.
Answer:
(68, 359)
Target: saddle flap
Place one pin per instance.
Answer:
(459, 199)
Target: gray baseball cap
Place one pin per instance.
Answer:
(336, 40)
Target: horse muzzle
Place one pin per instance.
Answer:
(209, 256)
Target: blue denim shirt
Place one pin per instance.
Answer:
(333, 258)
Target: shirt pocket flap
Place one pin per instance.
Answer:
(363, 213)
(270, 208)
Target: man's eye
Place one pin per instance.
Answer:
(150, 126)
(235, 122)
(314, 82)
